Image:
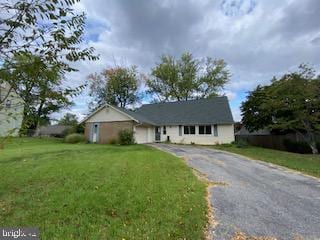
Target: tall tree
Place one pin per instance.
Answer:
(187, 78)
(117, 86)
(289, 103)
(50, 29)
(69, 119)
(39, 84)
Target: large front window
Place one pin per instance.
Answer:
(189, 130)
(205, 129)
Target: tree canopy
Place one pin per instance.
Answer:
(187, 78)
(69, 119)
(291, 102)
(39, 85)
(117, 86)
(40, 37)
(50, 29)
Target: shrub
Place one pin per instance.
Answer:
(296, 147)
(228, 144)
(113, 141)
(126, 137)
(80, 128)
(66, 132)
(72, 129)
(241, 143)
(75, 138)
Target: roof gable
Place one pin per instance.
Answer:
(108, 113)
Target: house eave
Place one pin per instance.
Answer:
(102, 107)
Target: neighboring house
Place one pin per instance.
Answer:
(205, 121)
(53, 131)
(11, 111)
(245, 132)
(237, 126)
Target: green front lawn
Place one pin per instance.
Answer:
(87, 191)
(307, 163)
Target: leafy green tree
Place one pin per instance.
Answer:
(187, 78)
(69, 119)
(50, 29)
(39, 84)
(117, 86)
(289, 103)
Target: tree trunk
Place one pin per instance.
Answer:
(39, 113)
(312, 142)
(313, 146)
(310, 137)
(25, 121)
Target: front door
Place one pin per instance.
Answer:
(95, 133)
(158, 134)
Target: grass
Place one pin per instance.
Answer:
(306, 163)
(86, 191)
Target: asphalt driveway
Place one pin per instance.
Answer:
(256, 198)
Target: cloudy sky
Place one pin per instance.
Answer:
(257, 38)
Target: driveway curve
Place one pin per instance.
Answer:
(257, 198)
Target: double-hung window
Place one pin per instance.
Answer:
(205, 129)
(189, 130)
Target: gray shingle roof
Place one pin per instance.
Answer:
(52, 130)
(204, 111)
(137, 116)
(245, 132)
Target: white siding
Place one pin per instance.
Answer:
(144, 134)
(225, 135)
(10, 117)
(141, 134)
(108, 114)
(151, 134)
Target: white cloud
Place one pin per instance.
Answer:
(258, 39)
(231, 95)
(236, 114)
